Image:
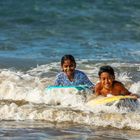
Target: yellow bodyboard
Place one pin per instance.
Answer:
(105, 100)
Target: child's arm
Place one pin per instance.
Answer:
(124, 91)
(98, 88)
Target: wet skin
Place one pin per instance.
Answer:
(106, 80)
(108, 85)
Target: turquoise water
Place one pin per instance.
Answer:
(43, 30)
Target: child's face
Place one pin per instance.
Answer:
(68, 67)
(106, 80)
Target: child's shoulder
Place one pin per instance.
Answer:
(98, 85)
(118, 83)
(60, 74)
(79, 72)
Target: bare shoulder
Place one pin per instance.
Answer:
(121, 88)
(118, 84)
(98, 86)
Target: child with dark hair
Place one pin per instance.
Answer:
(108, 84)
(70, 76)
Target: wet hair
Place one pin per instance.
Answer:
(67, 57)
(107, 69)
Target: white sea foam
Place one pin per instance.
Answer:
(23, 97)
(135, 88)
(123, 77)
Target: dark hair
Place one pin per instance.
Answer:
(67, 57)
(107, 69)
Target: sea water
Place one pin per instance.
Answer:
(34, 35)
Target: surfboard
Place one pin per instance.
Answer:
(67, 89)
(80, 87)
(105, 100)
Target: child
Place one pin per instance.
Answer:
(69, 76)
(108, 84)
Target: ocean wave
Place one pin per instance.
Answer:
(23, 97)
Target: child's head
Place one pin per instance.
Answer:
(107, 69)
(68, 64)
(107, 76)
(67, 57)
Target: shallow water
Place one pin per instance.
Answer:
(43, 130)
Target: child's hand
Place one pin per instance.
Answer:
(135, 95)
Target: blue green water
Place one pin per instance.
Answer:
(44, 30)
